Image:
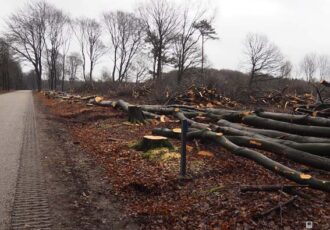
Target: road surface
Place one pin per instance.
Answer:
(21, 182)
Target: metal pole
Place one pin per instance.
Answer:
(183, 164)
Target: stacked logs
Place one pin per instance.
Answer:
(302, 139)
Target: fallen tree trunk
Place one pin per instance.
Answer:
(303, 130)
(262, 160)
(259, 158)
(313, 113)
(290, 153)
(320, 149)
(298, 119)
(275, 133)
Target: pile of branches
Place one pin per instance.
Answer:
(280, 99)
(300, 138)
(202, 97)
(318, 108)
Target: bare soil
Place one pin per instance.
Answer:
(79, 191)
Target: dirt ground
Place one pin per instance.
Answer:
(80, 194)
(93, 165)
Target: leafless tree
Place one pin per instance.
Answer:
(88, 33)
(186, 50)
(26, 32)
(207, 32)
(263, 58)
(161, 23)
(140, 68)
(65, 48)
(55, 39)
(74, 61)
(126, 33)
(324, 67)
(309, 66)
(286, 69)
(11, 76)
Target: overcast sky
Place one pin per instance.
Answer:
(296, 26)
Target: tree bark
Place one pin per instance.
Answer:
(286, 127)
(282, 150)
(298, 119)
(275, 133)
(135, 114)
(262, 160)
(153, 142)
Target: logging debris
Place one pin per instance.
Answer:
(175, 199)
(243, 142)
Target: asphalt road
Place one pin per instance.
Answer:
(13, 109)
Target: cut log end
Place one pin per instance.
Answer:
(154, 142)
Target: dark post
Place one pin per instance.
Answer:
(184, 130)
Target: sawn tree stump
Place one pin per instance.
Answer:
(135, 115)
(154, 142)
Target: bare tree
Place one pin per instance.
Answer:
(286, 69)
(26, 32)
(74, 61)
(324, 67)
(309, 66)
(161, 23)
(208, 33)
(263, 58)
(126, 33)
(11, 76)
(56, 37)
(88, 33)
(186, 50)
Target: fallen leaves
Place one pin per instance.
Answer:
(152, 192)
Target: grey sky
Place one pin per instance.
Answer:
(296, 26)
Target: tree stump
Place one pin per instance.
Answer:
(154, 142)
(135, 115)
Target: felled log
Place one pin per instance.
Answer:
(275, 133)
(135, 114)
(262, 160)
(303, 130)
(321, 149)
(153, 142)
(172, 133)
(268, 188)
(298, 119)
(290, 153)
(312, 112)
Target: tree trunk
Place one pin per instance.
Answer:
(282, 150)
(303, 130)
(275, 133)
(298, 119)
(262, 160)
(135, 114)
(321, 149)
(153, 142)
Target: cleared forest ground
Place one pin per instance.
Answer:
(152, 193)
